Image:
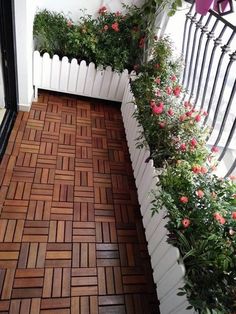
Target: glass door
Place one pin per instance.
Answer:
(8, 86)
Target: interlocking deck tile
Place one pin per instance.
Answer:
(71, 235)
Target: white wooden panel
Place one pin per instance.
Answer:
(55, 75)
(64, 74)
(107, 77)
(81, 77)
(90, 79)
(172, 302)
(170, 280)
(124, 79)
(159, 251)
(73, 74)
(168, 260)
(113, 87)
(37, 70)
(97, 83)
(46, 71)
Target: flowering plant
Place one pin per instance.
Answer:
(200, 206)
(113, 39)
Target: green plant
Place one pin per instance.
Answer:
(200, 206)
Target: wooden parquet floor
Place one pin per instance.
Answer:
(71, 236)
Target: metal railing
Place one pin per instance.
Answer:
(209, 78)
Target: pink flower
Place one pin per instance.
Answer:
(158, 80)
(105, 27)
(200, 193)
(219, 218)
(157, 66)
(158, 109)
(204, 113)
(168, 90)
(102, 10)
(182, 118)
(170, 112)
(234, 215)
(232, 177)
(196, 169)
(173, 78)
(183, 199)
(118, 13)
(186, 222)
(214, 149)
(152, 103)
(183, 147)
(198, 118)
(189, 113)
(162, 125)
(177, 91)
(204, 170)
(115, 27)
(193, 142)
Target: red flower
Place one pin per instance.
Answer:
(105, 27)
(170, 112)
(157, 66)
(183, 199)
(189, 113)
(234, 215)
(219, 218)
(158, 80)
(168, 90)
(173, 78)
(102, 10)
(186, 222)
(141, 42)
(200, 193)
(204, 113)
(196, 169)
(187, 104)
(152, 103)
(182, 118)
(118, 13)
(214, 149)
(204, 170)
(183, 147)
(177, 91)
(158, 109)
(162, 125)
(198, 118)
(193, 142)
(115, 27)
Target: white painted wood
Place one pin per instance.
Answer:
(106, 82)
(97, 83)
(37, 69)
(81, 78)
(113, 87)
(124, 79)
(90, 79)
(73, 74)
(46, 70)
(64, 74)
(55, 74)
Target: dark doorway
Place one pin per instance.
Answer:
(8, 86)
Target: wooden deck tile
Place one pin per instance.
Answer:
(71, 235)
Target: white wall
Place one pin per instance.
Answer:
(24, 16)
(73, 8)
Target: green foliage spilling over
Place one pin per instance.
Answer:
(112, 39)
(201, 207)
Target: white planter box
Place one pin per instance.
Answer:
(168, 271)
(78, 79)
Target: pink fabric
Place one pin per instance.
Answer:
(202, 6)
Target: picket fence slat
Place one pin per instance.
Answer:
(73, 73)
(46, 70)
(55, 76)
(79, 79)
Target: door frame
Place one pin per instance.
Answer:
(7, 37)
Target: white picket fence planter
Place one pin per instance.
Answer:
(78, 79)
(168, 271)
